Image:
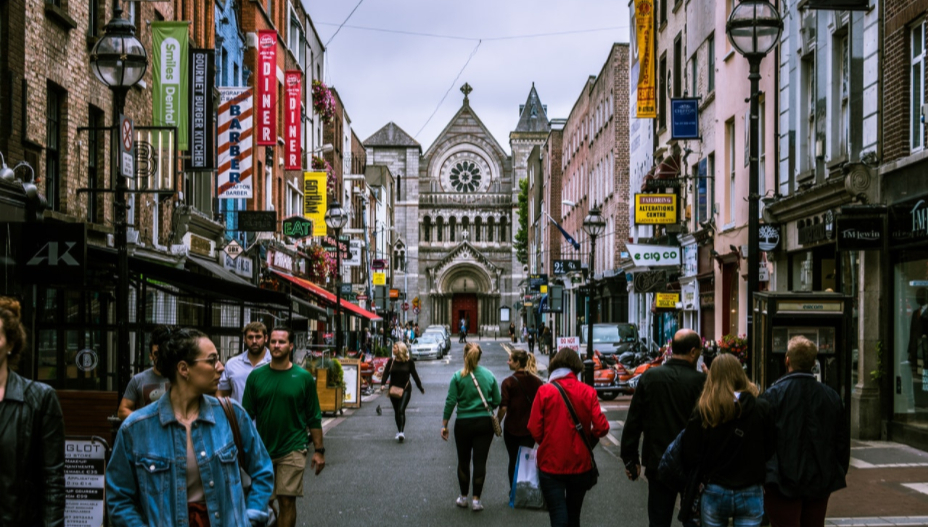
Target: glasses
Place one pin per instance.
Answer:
(212, 360)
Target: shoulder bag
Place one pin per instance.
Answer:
(498, 430)
(395, 392)
(594, 472)
(237, 437)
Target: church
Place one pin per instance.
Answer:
(456, 213)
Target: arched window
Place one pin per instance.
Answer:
(491, 226)
(478, 226)
(441, 229)
(427, 229)
(452, 224)
(502, 229)
(465, 227)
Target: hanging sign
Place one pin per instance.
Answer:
(256, 221)
(234, 177)
(768, 238)
(650, 281)
(233, 249)
(654, 255)
(314, 200)
(684, 118)
(267, 88)
(202, 154)
(563, 267)
(297, 227)
(655, 209)
(666, 300)
(170, 53)
(126, 147)
(644, 32)
(380, 278)
(292, 126)
(839, 5)
(858, 232)
(354, 254)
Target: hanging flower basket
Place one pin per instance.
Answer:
(323, 102)
(322, 164)
(737, 345)
(321, 264)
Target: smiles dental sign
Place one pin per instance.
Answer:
(170, 82)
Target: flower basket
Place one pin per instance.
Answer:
(323, 101)
(321, 164)
(321, 264)
(737, 345)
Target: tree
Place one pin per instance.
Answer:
(521, 241)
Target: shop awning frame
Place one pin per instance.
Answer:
(329, 297)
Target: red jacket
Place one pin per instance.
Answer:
(561, 450)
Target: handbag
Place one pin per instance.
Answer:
(395, 392)
(526, 486)
(498, 430)
(237, 437)
(670, 470)
(594, 472)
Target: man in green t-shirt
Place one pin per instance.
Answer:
(281, 397)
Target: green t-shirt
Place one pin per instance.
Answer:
(284, 404)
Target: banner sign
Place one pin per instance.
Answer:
(267, 88)
(234, 177)
(684, 118)
(655, 209)
(292, 126)
(654, 255)
(84, 487)
(644, 32)
(666, 300)
(169, 77)
(314, 200)
(202, 156)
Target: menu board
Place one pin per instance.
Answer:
(84, 473)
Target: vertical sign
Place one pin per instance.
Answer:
(202, 154)
(267, 88)
(314, 200)
(169, 72)
(702, 191)
(234, 175)
(84, 489)
(644, 31)
(293, 152)
(126, 147)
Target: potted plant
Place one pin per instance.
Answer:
(737, 345)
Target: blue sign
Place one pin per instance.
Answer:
(702, 186)
(684, 121)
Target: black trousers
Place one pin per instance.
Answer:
(662, 501)
(399, 408)
(473, 437)
(512, 447)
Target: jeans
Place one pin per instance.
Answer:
(512, 448)
(564, 495)
(794, 512)
(399, 408)
(473, 435)
(719, 504)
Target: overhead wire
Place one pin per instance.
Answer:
(455, 81)
(340, 26)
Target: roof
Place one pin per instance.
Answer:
(533, 117)
(391, 135)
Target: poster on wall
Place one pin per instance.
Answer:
(314, 200)
(266, 106)
(202, 153)
(234, 177)
(293, 153)
(169, 91)
(644, 32)
(84, 489)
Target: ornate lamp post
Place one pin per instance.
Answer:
(336, 218)
(119, 60)
(753, 29)
(593, 225)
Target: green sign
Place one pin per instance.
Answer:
(170, 52)
(298, 227)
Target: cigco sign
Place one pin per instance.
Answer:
(654, 255)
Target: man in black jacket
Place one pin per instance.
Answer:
(813, 442)
(663, 402)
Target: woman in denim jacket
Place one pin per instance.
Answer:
(175, 462)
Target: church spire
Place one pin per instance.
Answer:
(533, 116)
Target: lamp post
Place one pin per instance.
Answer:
(119, 60)
(336, 218)
(753, 29)
(594, 225)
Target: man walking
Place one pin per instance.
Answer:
(148, 386)
(813, 442)
(662, 404)
(281, 397)
(239, 367)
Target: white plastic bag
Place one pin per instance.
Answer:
(526, 489)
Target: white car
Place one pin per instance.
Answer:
(445, 337)
(428, 345)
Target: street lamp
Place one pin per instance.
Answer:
(753, 29)
(336, 218)
(119, 60)
(593, 225)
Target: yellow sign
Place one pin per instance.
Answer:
(667, 300)
(644, 31)
(655, 209)
(314, 205)
(380, 278)
(543, 289)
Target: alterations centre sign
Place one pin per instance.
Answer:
(655, 209)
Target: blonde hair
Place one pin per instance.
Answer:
(530, 365)
(472, 355)
(400, 352)
(801, 353)
(717, 403)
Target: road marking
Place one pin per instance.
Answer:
(881, 521)
(918, 487)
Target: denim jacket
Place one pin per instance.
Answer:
(146, 477)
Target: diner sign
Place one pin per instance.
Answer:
(292, 125)
(267, 88)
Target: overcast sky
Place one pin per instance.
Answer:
(388, 76)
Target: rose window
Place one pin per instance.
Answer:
(465, 177)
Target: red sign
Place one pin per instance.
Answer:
(292, 129)
(405, 306)
(266, 105)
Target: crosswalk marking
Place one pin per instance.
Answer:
(918, 487)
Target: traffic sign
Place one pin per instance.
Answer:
(362, 298)
(126, 147)
(405, 306)
(233, 249)
(415, 310)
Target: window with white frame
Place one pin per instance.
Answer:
(807, 114)
(296, 39)
(917, 85)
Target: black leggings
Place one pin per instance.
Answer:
(399, 408)
(473, 434)
(512, 447)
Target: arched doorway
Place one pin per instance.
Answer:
(465, 288)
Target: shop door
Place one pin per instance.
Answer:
(464, 306)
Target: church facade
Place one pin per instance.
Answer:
(457, 213)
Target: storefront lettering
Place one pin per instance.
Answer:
(280, 260)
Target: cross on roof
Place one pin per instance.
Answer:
(466, 89)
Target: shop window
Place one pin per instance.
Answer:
(54, 113)
(910, 337)
(917, 85)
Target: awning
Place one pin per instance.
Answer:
(217, 269)
(329, 297)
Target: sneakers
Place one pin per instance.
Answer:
(476, 506)
(461, 502)
(400, 437)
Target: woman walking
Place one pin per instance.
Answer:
(565, 461)
(185, 443)
(531, 341)
(512, 332)
(518, 393)
(729, 440)
(398, 370)
(475, 393)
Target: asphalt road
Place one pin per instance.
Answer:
(370, 479)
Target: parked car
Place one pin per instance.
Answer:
(445, 335)
(428, 345)
(611, 339)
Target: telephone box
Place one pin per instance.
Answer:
(824, 318)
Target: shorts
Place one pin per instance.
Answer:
(288, 474)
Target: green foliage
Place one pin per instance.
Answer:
(336, 375)
(521, 241)
(381, 351)
(877, 374)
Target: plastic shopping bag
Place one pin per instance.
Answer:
(526, 489)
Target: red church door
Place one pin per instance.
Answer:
(464, 305)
